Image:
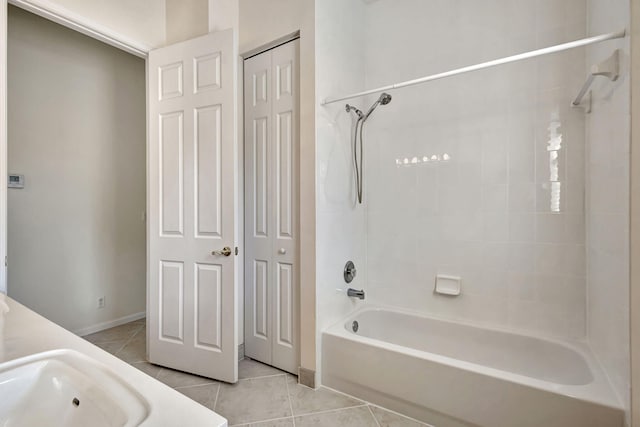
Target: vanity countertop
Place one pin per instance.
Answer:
(27, 333)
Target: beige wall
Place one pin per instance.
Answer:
(224, 14)
(261, 22)
(635, 214)
(186, 19)
(77, 132)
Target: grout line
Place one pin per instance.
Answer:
(263, 376)
(373, 415)
(327, 411)
(109, 342)
(286, 383)
(122, 348)
(127, 341)
(215, 401)
(196, 385)
(400, 415)
(210, 382)
(259, 422)
(363, 402)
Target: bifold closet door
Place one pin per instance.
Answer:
(271, 207)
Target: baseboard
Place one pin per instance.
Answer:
(110, 324)
(307, 377)
(241, 352)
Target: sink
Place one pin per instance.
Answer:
(66, 388)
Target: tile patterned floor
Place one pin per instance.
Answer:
(263, 397)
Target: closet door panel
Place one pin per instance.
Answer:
(286, 289)
(257, 206)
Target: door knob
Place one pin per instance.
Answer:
(282, 251)
(226, 251)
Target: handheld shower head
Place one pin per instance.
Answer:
(384, 99)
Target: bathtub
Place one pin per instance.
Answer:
(452, 374)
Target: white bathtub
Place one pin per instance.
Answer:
(454, 374)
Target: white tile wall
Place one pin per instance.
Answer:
(501, 201)
(608, 203)
(505, 212)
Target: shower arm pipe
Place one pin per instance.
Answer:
(519, 57)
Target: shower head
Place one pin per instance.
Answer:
(384, 99)
(349, 108)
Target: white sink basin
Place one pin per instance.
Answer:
(66, 388)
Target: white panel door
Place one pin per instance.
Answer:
(192, 293)
(271, 207)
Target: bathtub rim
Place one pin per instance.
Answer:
(599, 391)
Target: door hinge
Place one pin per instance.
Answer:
(6, 263)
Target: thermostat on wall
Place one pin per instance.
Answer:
(16, 181)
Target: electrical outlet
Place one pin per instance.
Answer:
(101, 302)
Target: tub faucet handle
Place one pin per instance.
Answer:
(355, 293)
(349, 272)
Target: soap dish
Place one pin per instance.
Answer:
(447, 285)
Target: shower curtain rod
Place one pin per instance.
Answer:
(495, 62)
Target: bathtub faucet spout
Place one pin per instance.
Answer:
(355, 293)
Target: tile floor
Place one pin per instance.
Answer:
(263, 397)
